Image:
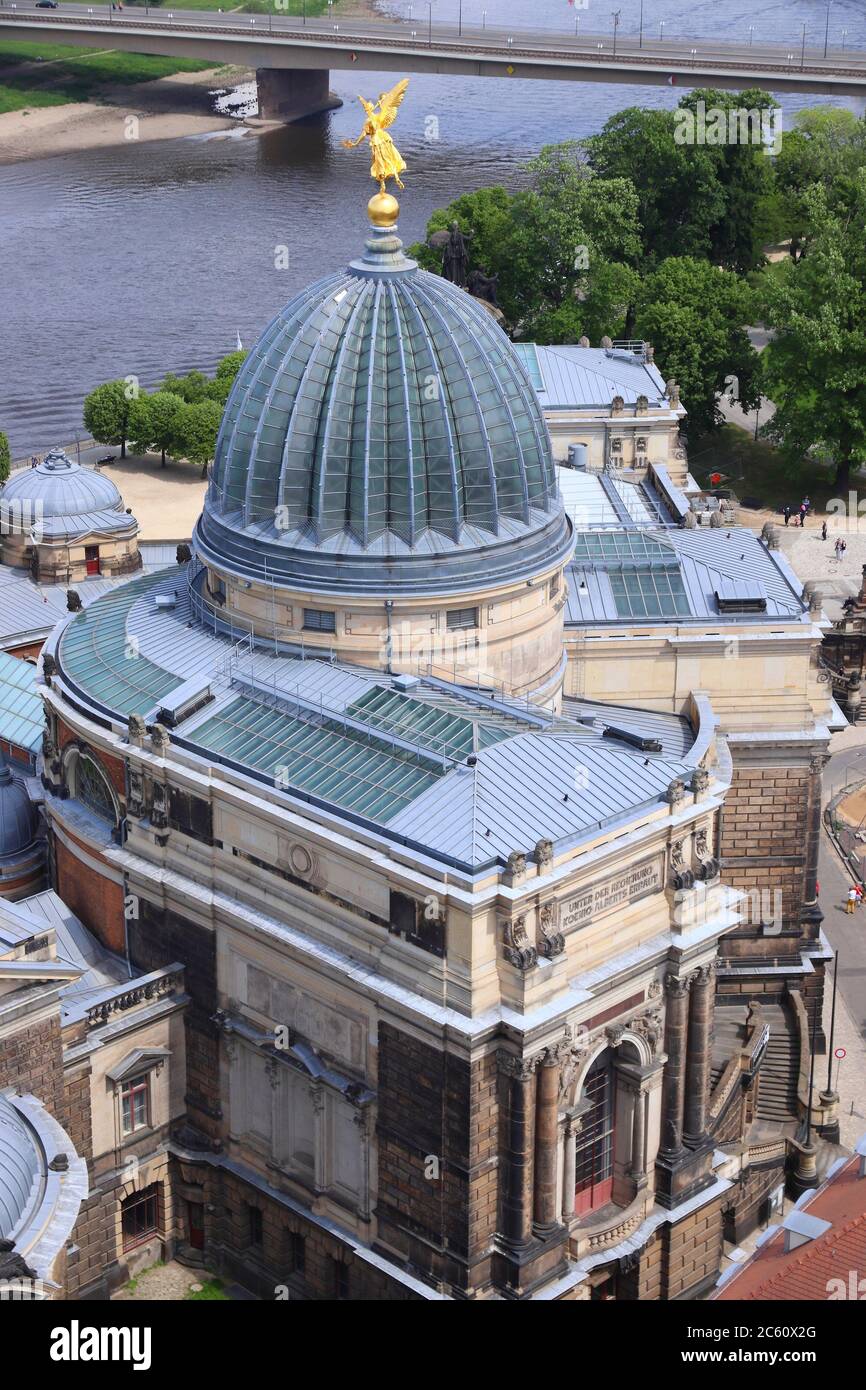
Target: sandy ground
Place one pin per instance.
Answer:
(163, 110)
(166, 501)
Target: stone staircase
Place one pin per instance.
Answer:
(777, 1087)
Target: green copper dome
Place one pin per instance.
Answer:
(382, 416)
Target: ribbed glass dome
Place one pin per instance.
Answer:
(382, 412)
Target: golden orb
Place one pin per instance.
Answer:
(383, 210)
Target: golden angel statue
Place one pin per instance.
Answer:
(386, 160)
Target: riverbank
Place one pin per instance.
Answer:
(169, 108)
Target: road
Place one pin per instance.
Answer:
(421, 46)
(845, 933)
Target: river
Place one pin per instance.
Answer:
(152, 257)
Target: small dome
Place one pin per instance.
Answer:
(383, 424)
(18, 819)
(56, 487)
(20, 1169)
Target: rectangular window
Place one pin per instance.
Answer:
(316, 621)
(341, 1279)
(135, 1104)
(554, 586)
(421, 923)
(254, 1225)
(459, 619)
(296, 1254)
(139, 1216)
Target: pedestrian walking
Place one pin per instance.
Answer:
(823, 530)
(858, 889)
(786, 513)
(838, 547)
(851, 900)
(802, 516)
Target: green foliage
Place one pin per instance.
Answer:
(107, 412)
(196, 432)
(5, 457)
(226, 372)
(679, 199)
(827, 146)
(549, 244)
(694, 313)
(814, 368)
(154, 421)
(191, 388)
(694, 199)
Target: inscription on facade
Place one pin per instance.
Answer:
(638, 881)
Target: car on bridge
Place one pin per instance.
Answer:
(47, 5)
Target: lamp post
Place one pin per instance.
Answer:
(751, 34)
(640, 31)
(803, 50)
(615, 14)
(460, 20)
(430, 22)
(483, 19)
(662, 23)
(827, 27)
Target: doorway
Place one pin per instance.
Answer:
(91, 559)
(195, 1224)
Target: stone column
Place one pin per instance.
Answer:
(673, 1086)
(638, 1138)
(569, 1166)
(520, 1073)
(546, 1132)
(701, 1008)
(288, 94)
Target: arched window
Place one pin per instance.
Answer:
(593, 1173)
(93, 791)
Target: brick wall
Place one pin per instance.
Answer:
(158, 937)
(32, 1061)
(762, 845)
(95, 899)
(267, 1268)
(438, 1158)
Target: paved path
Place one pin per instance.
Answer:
(847, 934)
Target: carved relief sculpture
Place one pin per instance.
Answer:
(519, 951)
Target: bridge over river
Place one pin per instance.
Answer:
(293, 59)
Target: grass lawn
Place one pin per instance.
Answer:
(20, 98)
(753, 468)
(47, 74)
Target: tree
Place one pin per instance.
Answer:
(738, 127)
(106, 413)
(679, 197)
(693, 313)
(196, 432)
(5, 458)
(227, 369)
(154, 421)
(814, 368)
(828, 146)
(191, 388)
(549, 244)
